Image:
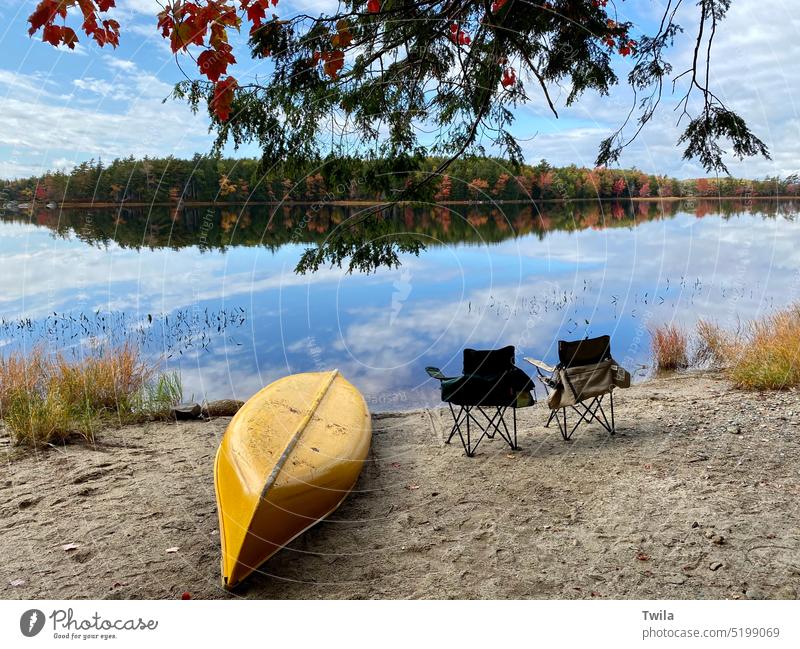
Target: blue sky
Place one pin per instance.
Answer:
(60, 107)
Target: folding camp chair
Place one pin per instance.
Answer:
(489, 386)
(586, 373)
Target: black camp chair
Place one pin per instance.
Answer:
(490, 382)
(586, 373)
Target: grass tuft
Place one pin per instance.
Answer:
(714, 346)
(669, 344)
(768, 357)
(760, 355)
(47, 399)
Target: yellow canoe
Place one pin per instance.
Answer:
(288, 459)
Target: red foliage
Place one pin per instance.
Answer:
(223, 96)
(459, 36)
(214, 63)
(103, 31)
(509, 77)
(205, 23)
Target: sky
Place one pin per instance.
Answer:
(60, 107)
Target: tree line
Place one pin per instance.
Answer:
(275, 226)
(473, 179)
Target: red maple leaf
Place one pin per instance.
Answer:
(214, 63)
(52, 34)
(256, 13)
(223, 96)
(45, 13)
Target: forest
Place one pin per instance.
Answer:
(208, 179)
(273, 227)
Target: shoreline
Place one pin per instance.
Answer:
(694, 498)
(357, 203)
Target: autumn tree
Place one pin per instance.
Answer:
(500, 185)
(376, 74)
(478, 188)
(445, 189)
(371, 74)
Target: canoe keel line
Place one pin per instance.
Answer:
(288, 459)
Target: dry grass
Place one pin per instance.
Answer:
(46, 399)
(714, 346)
(669, 344)
(768, 356)
(761, 355)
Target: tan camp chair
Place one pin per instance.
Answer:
(585, 374)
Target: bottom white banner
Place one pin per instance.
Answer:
(376, 623)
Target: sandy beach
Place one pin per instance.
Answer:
(697, 496)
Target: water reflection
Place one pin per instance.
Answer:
(214, 293)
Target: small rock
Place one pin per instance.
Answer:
(754, 593)
(16, 583)
(677, 580)
(172, 550)
(718, 539)
(184, 411)
(69, 547)
(716, 565)
(709, 533)
(695, 525)
(785, 592)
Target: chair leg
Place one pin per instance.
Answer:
(516, 446)
(563, 427)
(488, 428)
(468, 447)
(456, 422)
(587, 413)
(611, 399)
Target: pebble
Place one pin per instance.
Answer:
(754, 593)
(716, 565)
(785, 592)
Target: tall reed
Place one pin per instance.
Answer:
(47, 398)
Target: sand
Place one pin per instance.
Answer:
(696, 497)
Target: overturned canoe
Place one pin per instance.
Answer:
(288, 459)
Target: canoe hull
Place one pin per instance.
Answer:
(288, 459)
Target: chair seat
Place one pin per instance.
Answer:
(510, 389)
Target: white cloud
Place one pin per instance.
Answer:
(108, 118)
(121, 64)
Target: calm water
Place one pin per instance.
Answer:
(214, 293)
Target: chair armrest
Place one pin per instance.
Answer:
(436, 373)
(540, 364)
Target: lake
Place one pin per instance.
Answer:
(214, 294)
